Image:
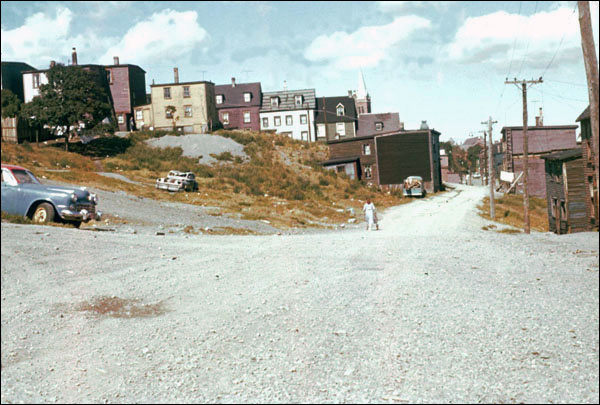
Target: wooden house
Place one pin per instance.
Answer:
(541, 141)
(566, 192)
(238, 105)
(589, 172)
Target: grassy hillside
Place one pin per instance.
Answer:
(509, 210)
(281, 182)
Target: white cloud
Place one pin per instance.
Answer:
(398, 7)
(491, 38)
(165, 36)
(40, 39)
(365, 47)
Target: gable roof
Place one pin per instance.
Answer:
(233, 96)
(286, 100)
(327, 109)
(568, 154)
(585, 115)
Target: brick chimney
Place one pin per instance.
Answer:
(539, 120)
(233, 82)
(74, 57)
(115, 60)
(176, 73)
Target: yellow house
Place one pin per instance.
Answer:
(144, 118)
(194, 102)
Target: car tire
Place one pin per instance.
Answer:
(43, 214)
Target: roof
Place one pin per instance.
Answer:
(89, 65)
(12, 167)
(233, 96)
(540, 128)
(564, 155)
(180, 83)
(287, 100)
(125, 65)
(348, 159)
(366, 123)
(9, 63)
(384, 134)
(544, 139)
(327, 109)
(585, 115)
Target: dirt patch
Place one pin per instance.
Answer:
(121, 307)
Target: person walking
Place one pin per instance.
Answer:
(369, 210)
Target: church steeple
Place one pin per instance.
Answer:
(362, 99)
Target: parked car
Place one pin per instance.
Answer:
(177, 181)
(23, 194)
(413, 187)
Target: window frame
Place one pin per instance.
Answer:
(186, 92)
(338, 108)
(225, 118)
(219, 99)
(247, 97)
(167, 93)
(247, 114)
(277, 121)
(289, 120)
(366, 149)
(185, 111)
(339, 125)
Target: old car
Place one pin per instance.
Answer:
(23, 194)
(177, 181)
(413, 187)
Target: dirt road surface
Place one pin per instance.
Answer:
(431, 308)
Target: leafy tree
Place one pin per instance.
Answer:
(170, 109)
(11, 105)
(72, 96)
(473, 157)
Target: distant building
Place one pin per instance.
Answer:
(362, 99)
(12, 77)
(128, 89)
(238, 105)
(335, 118)
(541, 140)
(194, 102)
(387, 159)
(290, 113)
(377, 124)
(470, 142)
(589, 171)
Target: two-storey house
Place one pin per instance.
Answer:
(12, 78)
(238, 105)
(189, 107)
(335, 118)
(290, 113)
(589, 167)
(377, 124)
(128, 89)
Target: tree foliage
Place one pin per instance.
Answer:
(11, 105)
(72, 96)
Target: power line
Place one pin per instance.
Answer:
(560, 43)
(528, 42)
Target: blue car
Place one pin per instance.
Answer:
(23, 194)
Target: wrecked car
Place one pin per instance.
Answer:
(177, 181)
(413, 187)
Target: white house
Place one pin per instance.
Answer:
(290, 112)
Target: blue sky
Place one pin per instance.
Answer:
(444, 62)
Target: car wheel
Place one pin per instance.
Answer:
(43, 214)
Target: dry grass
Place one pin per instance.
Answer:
(282, 182)
(509, 211)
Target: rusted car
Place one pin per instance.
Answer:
(177, 181)
(413, 187)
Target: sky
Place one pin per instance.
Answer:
(443, 62)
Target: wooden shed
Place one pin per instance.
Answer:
(565, 189)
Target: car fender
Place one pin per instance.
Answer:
(35, 203)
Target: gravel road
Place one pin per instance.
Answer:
(430, 309)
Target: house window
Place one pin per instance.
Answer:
(277, 121)
(368, 172)
(339, 110)
(265, 122)
(186, 91)
(225, 118)
(121, 119)
(247, 97)
(298, 100)
(304, 135)
(378, 126)
(139, 115)
(288, 120)
(340, 129)
(321, 131)
(554, 207)
(167, 92)
(109, 76)
(274, 101)
(563, 210)
(247, 117)
(36, 80)
(303, 119)
(168, 113)
(187, 111)
(366, 149)
(219, 99)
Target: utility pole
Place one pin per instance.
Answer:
(591, 71)
(490, 169)
(483, 163)
(524, 84)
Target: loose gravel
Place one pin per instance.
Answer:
(430, 309)
(201, 146)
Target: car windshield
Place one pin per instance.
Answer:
(24, 176)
